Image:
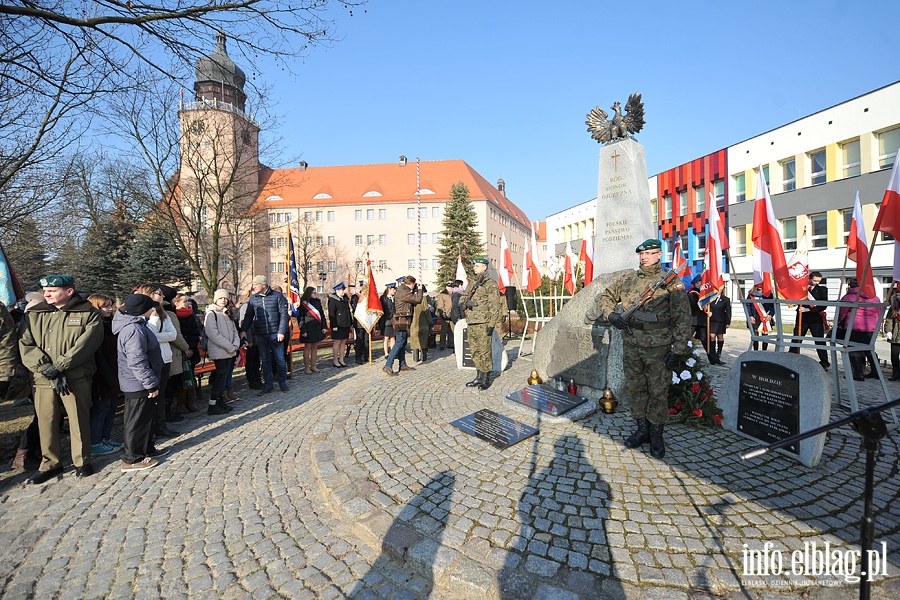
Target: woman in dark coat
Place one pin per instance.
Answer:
(311, 320)
(387, 328)
(340, 321)
(719, 321)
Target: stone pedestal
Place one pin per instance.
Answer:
(624, 218)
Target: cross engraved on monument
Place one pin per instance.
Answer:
(499, 430)
(769, 402)
(624, 218)
(546, 399)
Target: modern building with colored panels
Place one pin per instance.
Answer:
(814, 167)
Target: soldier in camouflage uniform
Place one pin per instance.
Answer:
(483, 313)
(654, 340)
(9, 350)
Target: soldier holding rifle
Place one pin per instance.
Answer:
(656, 326)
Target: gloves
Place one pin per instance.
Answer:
(671, 360)
(50, 371)
(617, 320)
(62, 385)
(489, 330)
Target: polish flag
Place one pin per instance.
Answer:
(533, 280)
(888, 219)
(587, 257)
(767, 243)
(569, 277)
(723, 237)
(506, 273)
(369, 309)
(798, 265)
(679, 261)
(715, 232)
(461, 272)
(858, 249)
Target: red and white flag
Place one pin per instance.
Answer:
(798, 265)
(533, 273)
(858, 250)
(888, 219)
(587, 257)
(723, 237)
(715, 232)
(569, 276)
(506, 273)
(679, 262)
(767, 243)
(461, 272)
(369, 309)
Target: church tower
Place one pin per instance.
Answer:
(219, 176)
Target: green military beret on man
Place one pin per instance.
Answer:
(57, 281)
(481, 261)
(651, 244)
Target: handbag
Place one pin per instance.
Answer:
(400, 322)
(188, 382)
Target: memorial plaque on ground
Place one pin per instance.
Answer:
(770, 396)
(546, 399)
(499, 430)
(769, 402)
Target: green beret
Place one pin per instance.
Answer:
(651, 244)
(481, 260)
(57, 281)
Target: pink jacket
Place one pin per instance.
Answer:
(866, 317)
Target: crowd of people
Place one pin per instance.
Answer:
(82, 357)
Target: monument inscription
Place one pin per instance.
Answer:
(769, 402)
(579, 354)
(498, 430)
(546, 399)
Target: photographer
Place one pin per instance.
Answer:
(408, 295)
(483, 314)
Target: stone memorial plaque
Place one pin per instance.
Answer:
(467, 360)
(499, 430)
(463, 351)
(579, 354)
(769, 402)
(546, 399)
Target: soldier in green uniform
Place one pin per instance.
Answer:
(654, 340)
(483, 313)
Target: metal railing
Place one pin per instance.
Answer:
(539, 310)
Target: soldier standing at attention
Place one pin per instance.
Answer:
(483, 314)
(654, 339)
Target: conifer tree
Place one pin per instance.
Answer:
(105, 254)
(153, 258)
(459, 236)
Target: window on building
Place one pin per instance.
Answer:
(358, 240)
(382, 213)
(668, 250)
(423, 238)
(240, 266)
(789, 174)
(436, 264)
(272, 217)
(308, 216)
(320, 266)
(331, 266)
(850, 154)
(370, 214)
(740, 188)
(435, 238)
(410, 213)
(382, 239)
(410, 238)
(819, 225)
(382, 265)
(287, 217)
(435, 211)
(272, 242)
(848, 220)
(740, 241)
(358, 214)
(700, 246)
(888, 142)
(359, 265)
(789, 233)
(309, 241)
(281, 217)
(423, 212)
(281, 242)
(411, 264)
(370, 239)
(817, 167)
(319, 241)
(667, 200)
(700, 198)
(654, 208)
(683, 203)
(320, 215)
(331, 215)
(719, 192)
(423, 264)
(331, 240)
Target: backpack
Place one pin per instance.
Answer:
(204, 342)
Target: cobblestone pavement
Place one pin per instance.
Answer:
(354, 485)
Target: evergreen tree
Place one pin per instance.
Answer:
(153, 258)
(459, 236)
(27, 257)
(105, 255)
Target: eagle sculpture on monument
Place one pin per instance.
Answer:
(606, 130)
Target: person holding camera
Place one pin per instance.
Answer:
(408, 295)
(484, 312)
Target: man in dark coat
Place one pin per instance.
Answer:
(811, 317)
(267, 314)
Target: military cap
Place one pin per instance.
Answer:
(481, 261)
(651, 244)
(57, 281)
(260, 280)
(339, 286)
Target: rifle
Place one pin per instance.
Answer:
(667, 278)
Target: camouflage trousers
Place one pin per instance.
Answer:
(480, 344)
(646, 382)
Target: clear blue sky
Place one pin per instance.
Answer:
(506, 86)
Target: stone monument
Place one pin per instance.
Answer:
(464, 353)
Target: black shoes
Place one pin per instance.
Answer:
(657, 446)
(283, 387)
(42, 477)
(162, 431)
(84, 471)
(488, 380)
(639, 437)
(873, 374)
(153, 451)
(215, 409)
(255, 386)
(265, 391)
(479, 379)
